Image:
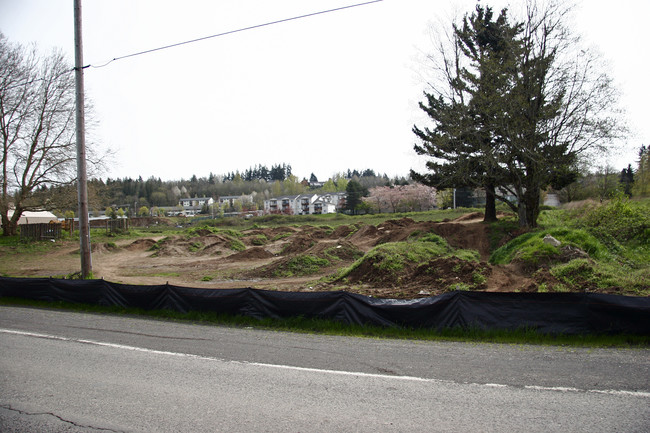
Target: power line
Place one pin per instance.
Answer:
(234, 31)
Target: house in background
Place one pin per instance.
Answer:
(335, 198)
(227, 202)
(302, 204)
(193, 206)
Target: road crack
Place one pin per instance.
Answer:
(22, 412)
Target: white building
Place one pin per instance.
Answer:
(193, 206)
(303, 204)
(228, 201)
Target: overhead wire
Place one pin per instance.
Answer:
(257, 26)
(202, 39)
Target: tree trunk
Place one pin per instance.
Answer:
(490, 204)
(522, 214)
(532, 197)
(9, 227)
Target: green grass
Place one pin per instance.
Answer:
(236, 245)
(615, 235)
(13, 245)
(282, 236)
(394, 257)
(259, 240)
(195, 246)
(330, 220)
(301, 265)
(329, 327)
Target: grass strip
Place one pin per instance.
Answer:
(301, 324)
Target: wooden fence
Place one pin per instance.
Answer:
(40, 232)
(114, 225)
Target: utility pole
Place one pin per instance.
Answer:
(82, 187)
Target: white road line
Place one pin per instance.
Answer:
(319, 370)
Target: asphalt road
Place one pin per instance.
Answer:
(72, 372)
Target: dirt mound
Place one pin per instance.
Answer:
(432, 278)
(470, 217)
(318, 232)
(452, 273)
(342, 231)
(140, 245)
(292, 258)
(249, 254)
(213, 245)
(182, 246)
(202, 232)
(102, 247)
(472, 236)
(365, 237)
(366, 231)
(321, 257)
(399, 230)
(342, 250)
(172, 250)
(509, 278)
(298, 244)
(392, 224)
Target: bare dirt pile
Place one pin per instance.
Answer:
(205, 244)
(322, 251)
(141, 245)
(469, 236)
(299, 258)
(250, 254)
(319, 258)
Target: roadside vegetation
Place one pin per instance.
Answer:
(603, 247)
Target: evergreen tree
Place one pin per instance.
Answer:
(524, 107)
(466, 141)
(641, 186)
(355, 193)
(627, 180)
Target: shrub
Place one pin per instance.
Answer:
(620, 218)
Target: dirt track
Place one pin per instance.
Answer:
(208, 260)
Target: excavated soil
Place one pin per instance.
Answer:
(263, 258)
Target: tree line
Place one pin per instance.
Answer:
(132, 195)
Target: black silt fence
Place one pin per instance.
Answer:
(549, 313)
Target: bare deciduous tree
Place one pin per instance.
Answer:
(37, 128)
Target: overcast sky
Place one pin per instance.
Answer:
(324, 94)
